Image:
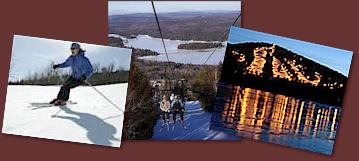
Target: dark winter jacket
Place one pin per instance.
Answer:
(177, 104)
(79, 64)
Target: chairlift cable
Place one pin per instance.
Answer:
(163, 42)
(226, 33)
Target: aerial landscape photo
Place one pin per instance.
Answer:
(177, 68)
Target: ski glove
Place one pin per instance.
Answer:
(55, 66)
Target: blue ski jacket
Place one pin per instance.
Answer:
(80, 65)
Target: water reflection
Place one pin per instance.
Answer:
(276, 118)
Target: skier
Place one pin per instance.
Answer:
(172, 97)
(177, 108)
(81, 70)
(165, 109)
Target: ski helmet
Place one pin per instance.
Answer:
(75, 45)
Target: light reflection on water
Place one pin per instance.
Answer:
(276, 118)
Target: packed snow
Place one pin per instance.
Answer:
(92, 120)
(197, 123)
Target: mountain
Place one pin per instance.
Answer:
(276, 69)
(177, 25)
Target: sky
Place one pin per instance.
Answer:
(31, 54)
(128, 7)
(334, 58)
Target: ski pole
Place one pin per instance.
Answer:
(56, 72)
(60, 75)
(103, 96)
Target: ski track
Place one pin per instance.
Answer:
(92, 120)
(197, 122)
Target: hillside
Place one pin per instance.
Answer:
(276, 69)
(43, 53)
(118, 42)
(175, 26)
(196, 46)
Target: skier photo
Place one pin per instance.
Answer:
(81, 70)
(43, 72)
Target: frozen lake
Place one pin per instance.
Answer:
(174, 54)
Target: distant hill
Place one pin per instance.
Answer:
(197, 46)
(275, 69)
(204, 26)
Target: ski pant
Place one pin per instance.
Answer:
(177, 111)
(64, 93)
(165, 115)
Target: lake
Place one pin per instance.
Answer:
(275, 118)
(174, 54)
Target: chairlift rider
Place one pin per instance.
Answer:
(177, 107)
(165, 106)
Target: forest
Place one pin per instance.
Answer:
(176, 26)
(197, 45)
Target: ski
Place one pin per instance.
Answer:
(163, 125)
(46, 104)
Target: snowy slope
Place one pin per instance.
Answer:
(31, 54)
(197, 122)
(92, 120)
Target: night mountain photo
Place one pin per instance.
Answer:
(281, 90)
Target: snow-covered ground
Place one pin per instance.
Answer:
(34, 55)
(174, 54)
(197, 122)
(92, 120)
